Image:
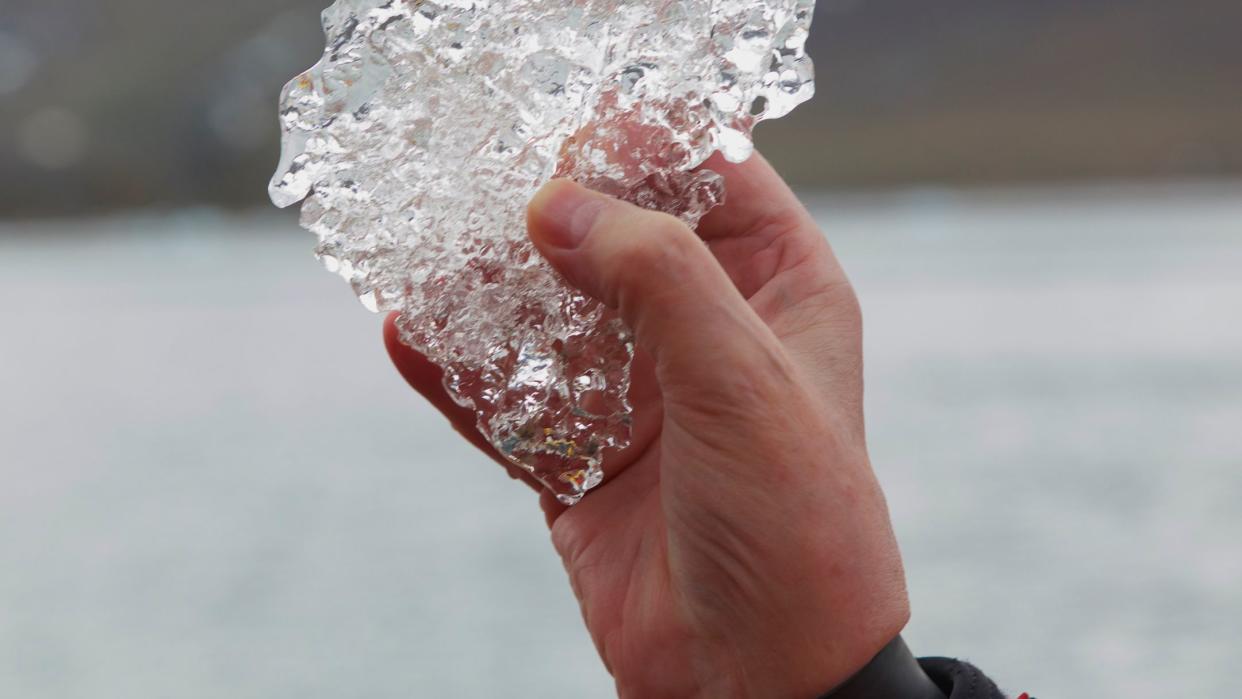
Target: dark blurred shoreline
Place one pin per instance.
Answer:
(125, 104)
(1097, 191)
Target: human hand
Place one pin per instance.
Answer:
(741, 546)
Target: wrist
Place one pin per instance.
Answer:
(799, 667)
(798, 654)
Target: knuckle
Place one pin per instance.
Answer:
(844, 300)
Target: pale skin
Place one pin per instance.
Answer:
(741, 546)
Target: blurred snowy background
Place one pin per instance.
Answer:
(212, 483)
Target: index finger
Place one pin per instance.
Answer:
(757, 202)
(762, 232)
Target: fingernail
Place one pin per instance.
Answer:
(562, 214)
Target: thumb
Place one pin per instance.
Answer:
(662, 279)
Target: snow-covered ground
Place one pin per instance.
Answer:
(212, 484)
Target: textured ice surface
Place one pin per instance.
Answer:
(419, 137)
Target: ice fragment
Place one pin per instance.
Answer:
(417, 140)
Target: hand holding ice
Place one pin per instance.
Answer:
(419, 137)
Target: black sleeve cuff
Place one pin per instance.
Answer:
(892, 674)
(960, 680)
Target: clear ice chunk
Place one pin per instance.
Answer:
(417, 140)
